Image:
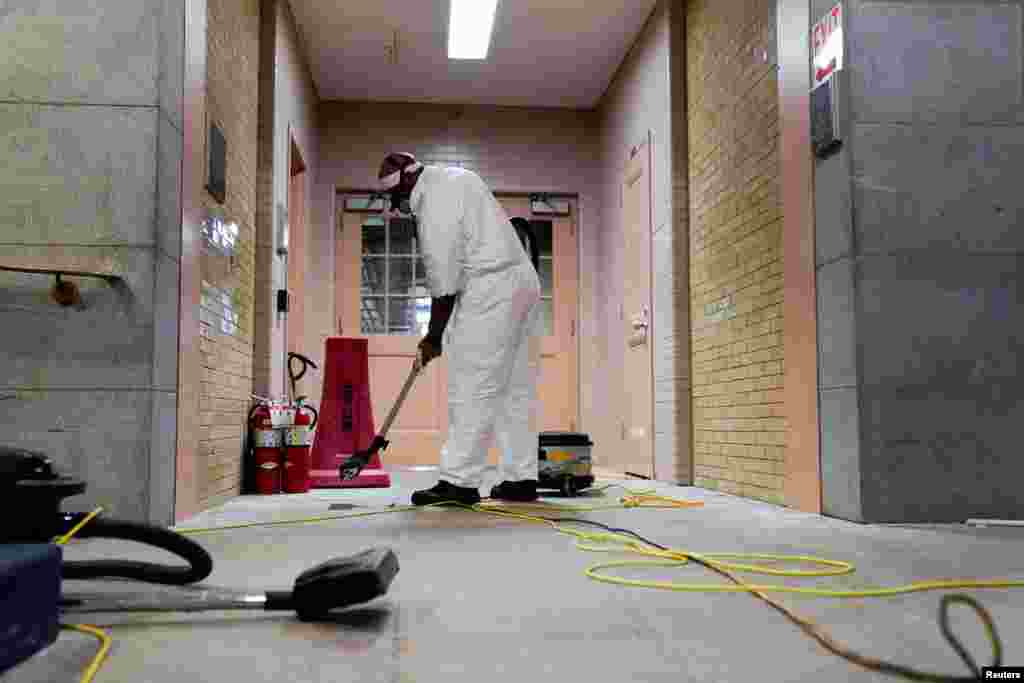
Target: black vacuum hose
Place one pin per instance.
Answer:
(200, 562)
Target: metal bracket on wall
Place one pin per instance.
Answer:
(544, 204)
(65, 293)
(108, 277)
(826, 120)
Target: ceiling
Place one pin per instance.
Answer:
(544, 53)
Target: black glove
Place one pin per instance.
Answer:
(440, 311)
(430, 348)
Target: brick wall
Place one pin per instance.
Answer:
(736, 250)
(227, 329)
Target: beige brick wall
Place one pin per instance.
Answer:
(735, 249)
(232, 63)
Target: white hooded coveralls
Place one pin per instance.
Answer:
(471, 249)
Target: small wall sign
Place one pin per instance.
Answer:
(827, 46)
(720, 311)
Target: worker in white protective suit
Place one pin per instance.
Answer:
(485, 303)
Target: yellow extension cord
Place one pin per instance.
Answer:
(603, 542)
(100, 634)
(101, 655)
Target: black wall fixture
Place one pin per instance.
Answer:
(217, 153)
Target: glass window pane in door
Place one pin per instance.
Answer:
(403, 236)
(543, 231)
(400, 276)
(547, 317)
(374, 237)
(420, 279)
(372, 278)
(373, 315)
(402, 316)
(422, 315)
(364, 203)
(547, 276)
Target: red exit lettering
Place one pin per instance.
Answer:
(824, 28)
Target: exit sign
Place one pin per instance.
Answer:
(827, 46)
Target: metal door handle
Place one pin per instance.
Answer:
(642, 320)
(640, 325)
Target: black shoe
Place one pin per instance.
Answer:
(445, 492)
(516, 491)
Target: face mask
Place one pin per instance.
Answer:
(400, 203)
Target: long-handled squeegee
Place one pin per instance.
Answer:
(351, 468)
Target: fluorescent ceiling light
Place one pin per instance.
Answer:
(470, 27)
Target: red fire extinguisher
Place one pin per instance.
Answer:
(298, 462)
(266, 450)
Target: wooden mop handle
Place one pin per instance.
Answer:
(416, 367)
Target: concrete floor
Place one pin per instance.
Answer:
(486, 599)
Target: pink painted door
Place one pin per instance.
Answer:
(636, 455)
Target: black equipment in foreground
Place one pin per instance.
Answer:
(332, 585)
(31, 492)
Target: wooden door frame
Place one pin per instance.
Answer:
(187, 465)
(295, 336)
(645, 141)
(802, 482)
